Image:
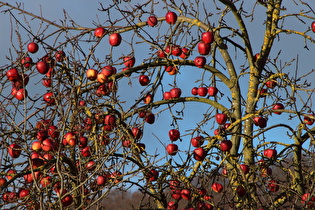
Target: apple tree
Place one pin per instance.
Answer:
(195, 104)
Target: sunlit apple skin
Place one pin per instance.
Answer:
(13, 74)
(167, 96)
(171, 17)
(23, 193)
(47, 82)
(99, 32)
(176, 50)
(21, 94)
(152, 175)
(199, 154)
(221, 118)
(36, 145)
(174, 134)
(271, 84)
(186, 194)
(202, 91)
(185, 53)
(197, 141)
(129, 61)
(27, 62)
(49, 98)
(115, 39)
(47, 145)
(212, 91)
(270, 153)
(175, 92)
(109, 70)
(152, 21)
(15, 150)
(225, 145)
(194, 91)
(217, 187)
(172, 149)
(277, 106)
(144, 80)
(207, 37)
(244, 168)
(32, 47)
(200, 61)
(91, 74)
(42, 67)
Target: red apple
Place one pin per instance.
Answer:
(32, 47)
(15, 150)
(150, 118)
(174, 134)
(161, 54)
(197, 141)
(47, 145)
(172, 205)
(27, 62)
(309, 120)
(101, 78)
(217, 187)
(240, 191)
(91, 74)
(13, 74)
(148, 98)
(60, 55)
(144, 80)
(45, 181)
(115, 39)
(152, 21)
(85, 152)
(244, 168)
(310, 200)
(136, 132)
(225, 145)
(221, 118)
(36, 145)
(200, 61)
(99, 32)
(175, 92)
(42, 67)
(202, 91)
(171, 17)
(185, 53)
(10, 174)
(260, 121)
(313, 26)
(167, 96)
(204, 48)
(46, 82)
(277, 106)
(172, 149)
(21, 94)
(152, 175)
(207, 37)
(194, 91)
(109, 71)
(52, 131)
(270, 153)
(273, 186)
(68, 200)
(176, 50)
(69, 139)
(23, 193)
(174, 184)
(186, 194)
(101, 180)
(49, 98)
(271, 83)
(176, 194)
(129, 61)
(3, 182)
(212, 91)
(199, 154)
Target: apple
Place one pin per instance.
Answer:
(42, 67)
(204, 48)
(36, 145)
(161, 54)
(263, 92)
(136, 132)
(174, 184)
(200, 61)
(99, 32)
(199, 154)
(101, 78)
(116, 176)
(144, 80)
(176, 194)
(186, 194)
(212, 91)
(70, 139)
(309, 120)
(277, 106)
(10, 174)
(309, 199)
(23, 193)
(273, 186)
(27, 62)
(3, 182)
(32, 47)
(207, 37)
(110, 119)
(67, 200)
(129, 61)
(175, 92)
(150, 118)
(240, 191)
(221, 118)
(152, 175)
(194, 91)
(46, 82)
(174, 134)
(244, 168)
(60, 55)
(47, 145)
(45, 181)
(115, 39)
(217, 187)
(142, 114)
(270, 153)
(14, 150)
(260, 121)
(172, 149)
(171, 69)
(197, 141)
(167, 96)
(13, 74)
(108, 71)
(21, 94)
(85, 152)
(176, 50)
(49, 98)
(202, 91)
(152, 21)
(185, 53)
(52, 131)
(91, 74)
(101, 180)
(29, 178)
(171, 17)
(172, 205)
(225, 145)
(313, 26)
(271, 83)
